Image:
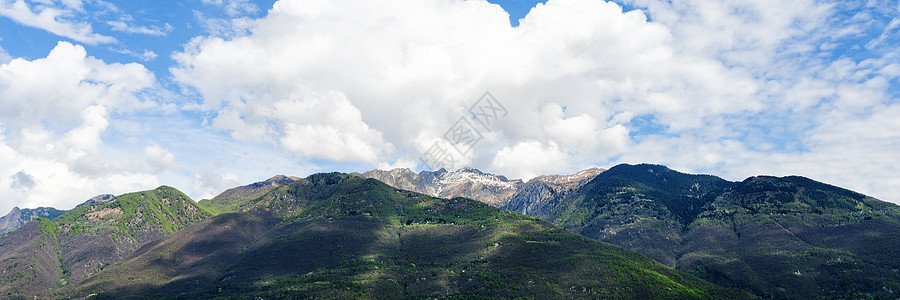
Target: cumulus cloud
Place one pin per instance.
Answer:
(159, 159)
(529, 159)
(54, 18)
(56, 112)
(715, 87)
(424, 62)
(57, 88)
(327, 126)
(207, 183)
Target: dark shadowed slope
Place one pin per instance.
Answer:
(90, 238)
(29, 261)
(342, 236)
(788, 237)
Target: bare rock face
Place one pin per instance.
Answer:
(492, 189)
(541, 195)
(18, 217)
(470, 183)
(11, 221)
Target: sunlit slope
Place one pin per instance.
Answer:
(342, 236)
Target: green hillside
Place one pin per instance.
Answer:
(342, 236)
(789, 237)
(234, 199)
(46, 255)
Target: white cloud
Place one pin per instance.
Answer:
(147, 55)
(220, 27)
(57, 88)
(327, 125)
(4, 57)
(206, 183)
(45, 16)
(424, 62)
(56, 112)
(159, 159)
(529, 159)
(146, 30)
(234, 7)
(703, 87)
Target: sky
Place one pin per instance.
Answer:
(111, 97)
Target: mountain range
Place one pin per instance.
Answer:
(401, 234)
(18, 217)
(45, 255)
(325, 236)
(495, 190)
(779, 237)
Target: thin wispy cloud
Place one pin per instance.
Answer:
(152, 30)
(54, 19)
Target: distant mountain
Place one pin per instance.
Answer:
(44, 255)
(233, 199)
(18, 217)
(495, 190)
(98, 199)
(782, 237)
(343, 236)
(540, 195)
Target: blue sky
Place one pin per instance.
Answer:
(117, 96)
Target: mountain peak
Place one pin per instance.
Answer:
(643, 167)
(335, 235)
(99, 199)
(468, 182)
(19, 216)
(234, 199)
(579, 176)
(469, 170)
(479, 177)
(282, 179)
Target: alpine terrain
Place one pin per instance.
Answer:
(18, 217)
(326, 236)
(44, 256)
(782, 237)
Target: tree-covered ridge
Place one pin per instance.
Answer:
(234, 199)
(783, 237)
(163, 209)
(341, 236)
(90, 238)
(654, 189)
